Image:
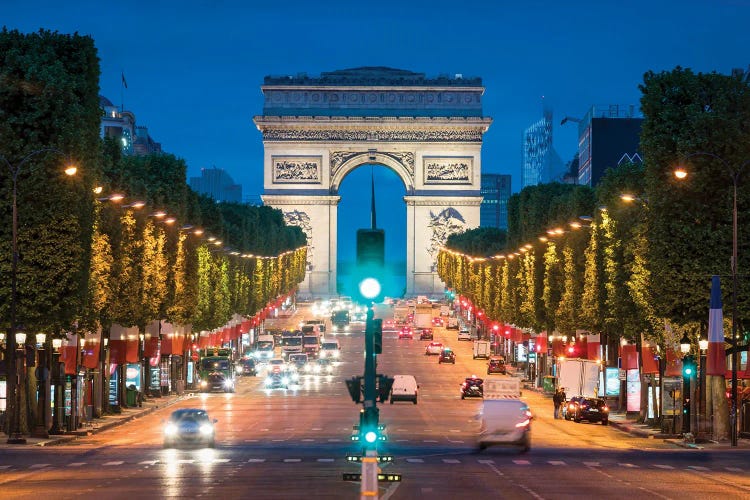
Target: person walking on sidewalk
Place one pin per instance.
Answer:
(557, 400)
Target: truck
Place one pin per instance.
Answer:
(578, 377)
(291, 343)
(502, 388)
(423, 316)
(216, 370)
(444, 310)
(452, 323)
(482, 349)
(400, 312)
(264, 347)
(340, 320)
(311, 344)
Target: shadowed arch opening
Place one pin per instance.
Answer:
(354, 213)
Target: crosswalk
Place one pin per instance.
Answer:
(112, 464)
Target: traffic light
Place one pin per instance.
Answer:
(370, 432)
(377, 335)
(688, 366)
(370, 270)
(385, 383)
(354, 386)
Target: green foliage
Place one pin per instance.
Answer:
(478, 242)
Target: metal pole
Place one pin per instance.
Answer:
(735, 343)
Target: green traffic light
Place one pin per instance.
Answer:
(688, 371)
(369, 288)
(371, 436)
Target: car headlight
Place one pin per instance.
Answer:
(228, 383)
(206, 429)
(317, 368)
(170, 430)
(268, 381)
(239, 369)
(335, 354)
(285, 380)
(295, 376)
(204, 383)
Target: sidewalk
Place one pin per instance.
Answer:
(98, 424)
(621, 421)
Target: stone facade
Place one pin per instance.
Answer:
(438, 158)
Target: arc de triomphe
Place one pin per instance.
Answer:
(428, 131)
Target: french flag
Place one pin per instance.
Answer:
(716, 359)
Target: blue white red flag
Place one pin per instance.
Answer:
(716, 359)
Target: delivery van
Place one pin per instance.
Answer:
(404, 388)
(505, 422)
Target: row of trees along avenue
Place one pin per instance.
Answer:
(88, 262)
(634, 271)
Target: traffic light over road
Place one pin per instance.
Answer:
(370, 271)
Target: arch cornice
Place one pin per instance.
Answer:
(443, 201)
(276, 200)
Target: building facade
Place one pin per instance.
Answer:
(217, 184)
(120, 125)
(541, 163)
(495, 191)
(607, 137)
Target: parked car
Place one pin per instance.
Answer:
(433, 348)
(425, 334)
(582, 408)
(496, 364)
(472, 387)
(447, 356)
(189, 426)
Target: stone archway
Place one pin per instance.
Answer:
(428, 131)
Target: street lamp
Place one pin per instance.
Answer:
(681, 173)
(13, 407)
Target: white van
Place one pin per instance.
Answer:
(405, 388)
(505, 421)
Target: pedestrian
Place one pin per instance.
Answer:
(557, 400)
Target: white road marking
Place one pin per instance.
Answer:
(486, 462)
(630, 466)
(308, 440)
(698, 468)
(76, 464)
(430, 441)
(733, 469)
(662, 466)
(278, 440)
(592, 464)
(221, 460)
(292, 460)
(334, 440)
(452, 441)
(4, 467)
(556, 462)
(39, 466)
(415, 460)
(426, 490)
(521, 462)
(147, 462)
(402, 440)
(451, 461)
(317, 429)
(325, 460)
(186, 461)
(455, 430)
(256, 460)
(113, 462)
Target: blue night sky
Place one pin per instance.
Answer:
(194, 68)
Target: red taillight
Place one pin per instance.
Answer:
(606, 408)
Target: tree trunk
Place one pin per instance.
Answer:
(717, 407)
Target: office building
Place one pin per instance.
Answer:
(541, 163)
(495, 191)
(217, 184)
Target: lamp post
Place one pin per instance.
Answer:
(702, 347)
(58, 392)
(734, 174)
(13, 406)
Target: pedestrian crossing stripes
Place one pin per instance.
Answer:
(410, 460)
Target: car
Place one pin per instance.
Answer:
(217, 381)
(276, 365)
(278, 380)
(404, 388)
(580, 408)
(433, 348)
(506, 422)
(464, 334)
(330, 349)
(496, 364)
(447, 356)
(437, 321)
(406, 333)
(323, 366)
(189, 427)
(298, 361)
(425, 334)
(247, 367)
(472, 387)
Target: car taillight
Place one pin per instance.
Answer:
(571, 407)
(605, 408)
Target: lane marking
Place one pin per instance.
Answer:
(76, 464)
(292, 460)
(662, 466)
(486, 462)
(5, 467)
(592, 464)
(328, 460)
(39, 466)
(308, 440)
(112, 463)
(221, 460)
(630, 466)
(148, 462)
(521, 462)
(733, 469)
(430, 441)
(256, 460)
(186, 461)
(699, 468)
(415, 460)
(556, 462)
(511, 481)
(451, 461)
(334, 440)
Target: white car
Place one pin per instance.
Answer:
(464, 335)
(433, 348)
(330, 349)
(505, 422)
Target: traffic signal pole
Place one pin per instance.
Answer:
(369, 484)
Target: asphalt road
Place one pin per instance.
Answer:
(290, 444)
